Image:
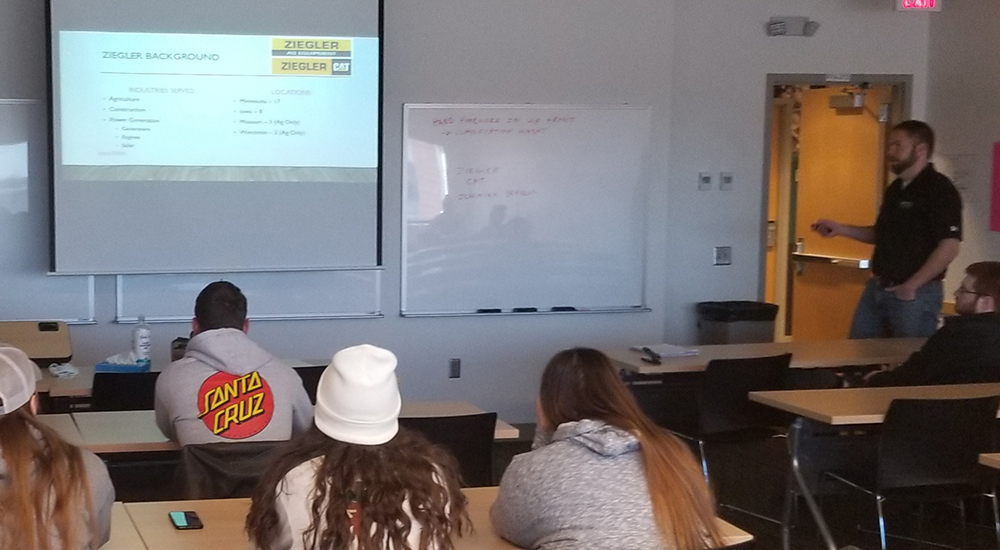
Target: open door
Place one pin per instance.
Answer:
(827, 160)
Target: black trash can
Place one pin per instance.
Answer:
(736, 322)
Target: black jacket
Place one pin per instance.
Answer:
(966, 350)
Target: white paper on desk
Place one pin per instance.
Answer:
(668, 350)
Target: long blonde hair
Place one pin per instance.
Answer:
(45, 485)
(581, 383)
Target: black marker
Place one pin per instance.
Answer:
(488, 310)
(525, 309)
(654, 358)
(564, 308)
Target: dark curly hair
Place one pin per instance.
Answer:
(377, 478)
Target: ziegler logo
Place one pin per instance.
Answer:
(235, 407)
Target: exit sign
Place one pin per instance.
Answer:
(918, 5)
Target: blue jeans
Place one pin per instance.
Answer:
(881, 315)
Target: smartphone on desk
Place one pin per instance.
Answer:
(185, 520)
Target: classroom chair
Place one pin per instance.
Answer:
(928, 450)
(123, 391)
(222, 470)
(310, 379)
(469, 438)
(725, 413)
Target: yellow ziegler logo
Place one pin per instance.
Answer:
(301, 66)
(311, 44)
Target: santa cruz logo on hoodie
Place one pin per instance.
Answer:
(235, 407)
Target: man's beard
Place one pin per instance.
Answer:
(902, 165)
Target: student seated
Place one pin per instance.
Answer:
(601, 475)
(227, 388)
(52, 495)
(356, 479)
(966, 350)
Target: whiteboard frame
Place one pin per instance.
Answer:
(643, 307)
(122, 318)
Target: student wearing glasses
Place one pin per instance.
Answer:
(601, 474)
(966, 349)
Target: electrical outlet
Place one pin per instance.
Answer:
(723, 255)
(705, 180)
(726, 181)
(455, 368)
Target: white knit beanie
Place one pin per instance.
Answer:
(18, 377)
(357, 400)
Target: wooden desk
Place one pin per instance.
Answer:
(223, 521)
(121, 432)
(135, 431)
(63, 425)
(40, 345)
(990, 459)
(78, 386)
(846, 406)
(124, 535)
(805, 355)
(454, 408)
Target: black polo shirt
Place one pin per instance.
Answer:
(911, 223)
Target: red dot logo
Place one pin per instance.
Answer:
(235, 407)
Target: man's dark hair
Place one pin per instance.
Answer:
(987, 279)
(919, 132)
(220, 305)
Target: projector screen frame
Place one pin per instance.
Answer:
(51, 165)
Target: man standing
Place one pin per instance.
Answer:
(967, 348)
(227, 388)
(917, 234)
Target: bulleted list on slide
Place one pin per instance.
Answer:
(137, 99)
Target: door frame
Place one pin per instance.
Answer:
(900, 111)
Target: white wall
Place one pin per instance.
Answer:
(701, 65)
(962, 94)
(722, 58)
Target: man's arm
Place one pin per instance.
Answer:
(164, 421)
(830, 228)
(937, 262)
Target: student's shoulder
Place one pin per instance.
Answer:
(544, 461)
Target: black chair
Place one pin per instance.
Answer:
(123, 391)
(469, 438)
(725, 413)
(928, 450)
(222, 470)
(310, 379)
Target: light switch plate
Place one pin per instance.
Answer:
(723, 255)
(705, 181)
(725, 181)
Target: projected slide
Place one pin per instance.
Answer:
(195, 100)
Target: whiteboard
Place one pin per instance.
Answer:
(28, 292)
(523, 208)
(270, 295)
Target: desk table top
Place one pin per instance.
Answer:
(121, 431)
(135, 431)
(990, 459)
(124, 535)
(852, 406)
(805, 354)
(63, 425)
(223, 520)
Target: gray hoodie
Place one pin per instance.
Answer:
(226, 388)
(584, 489)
